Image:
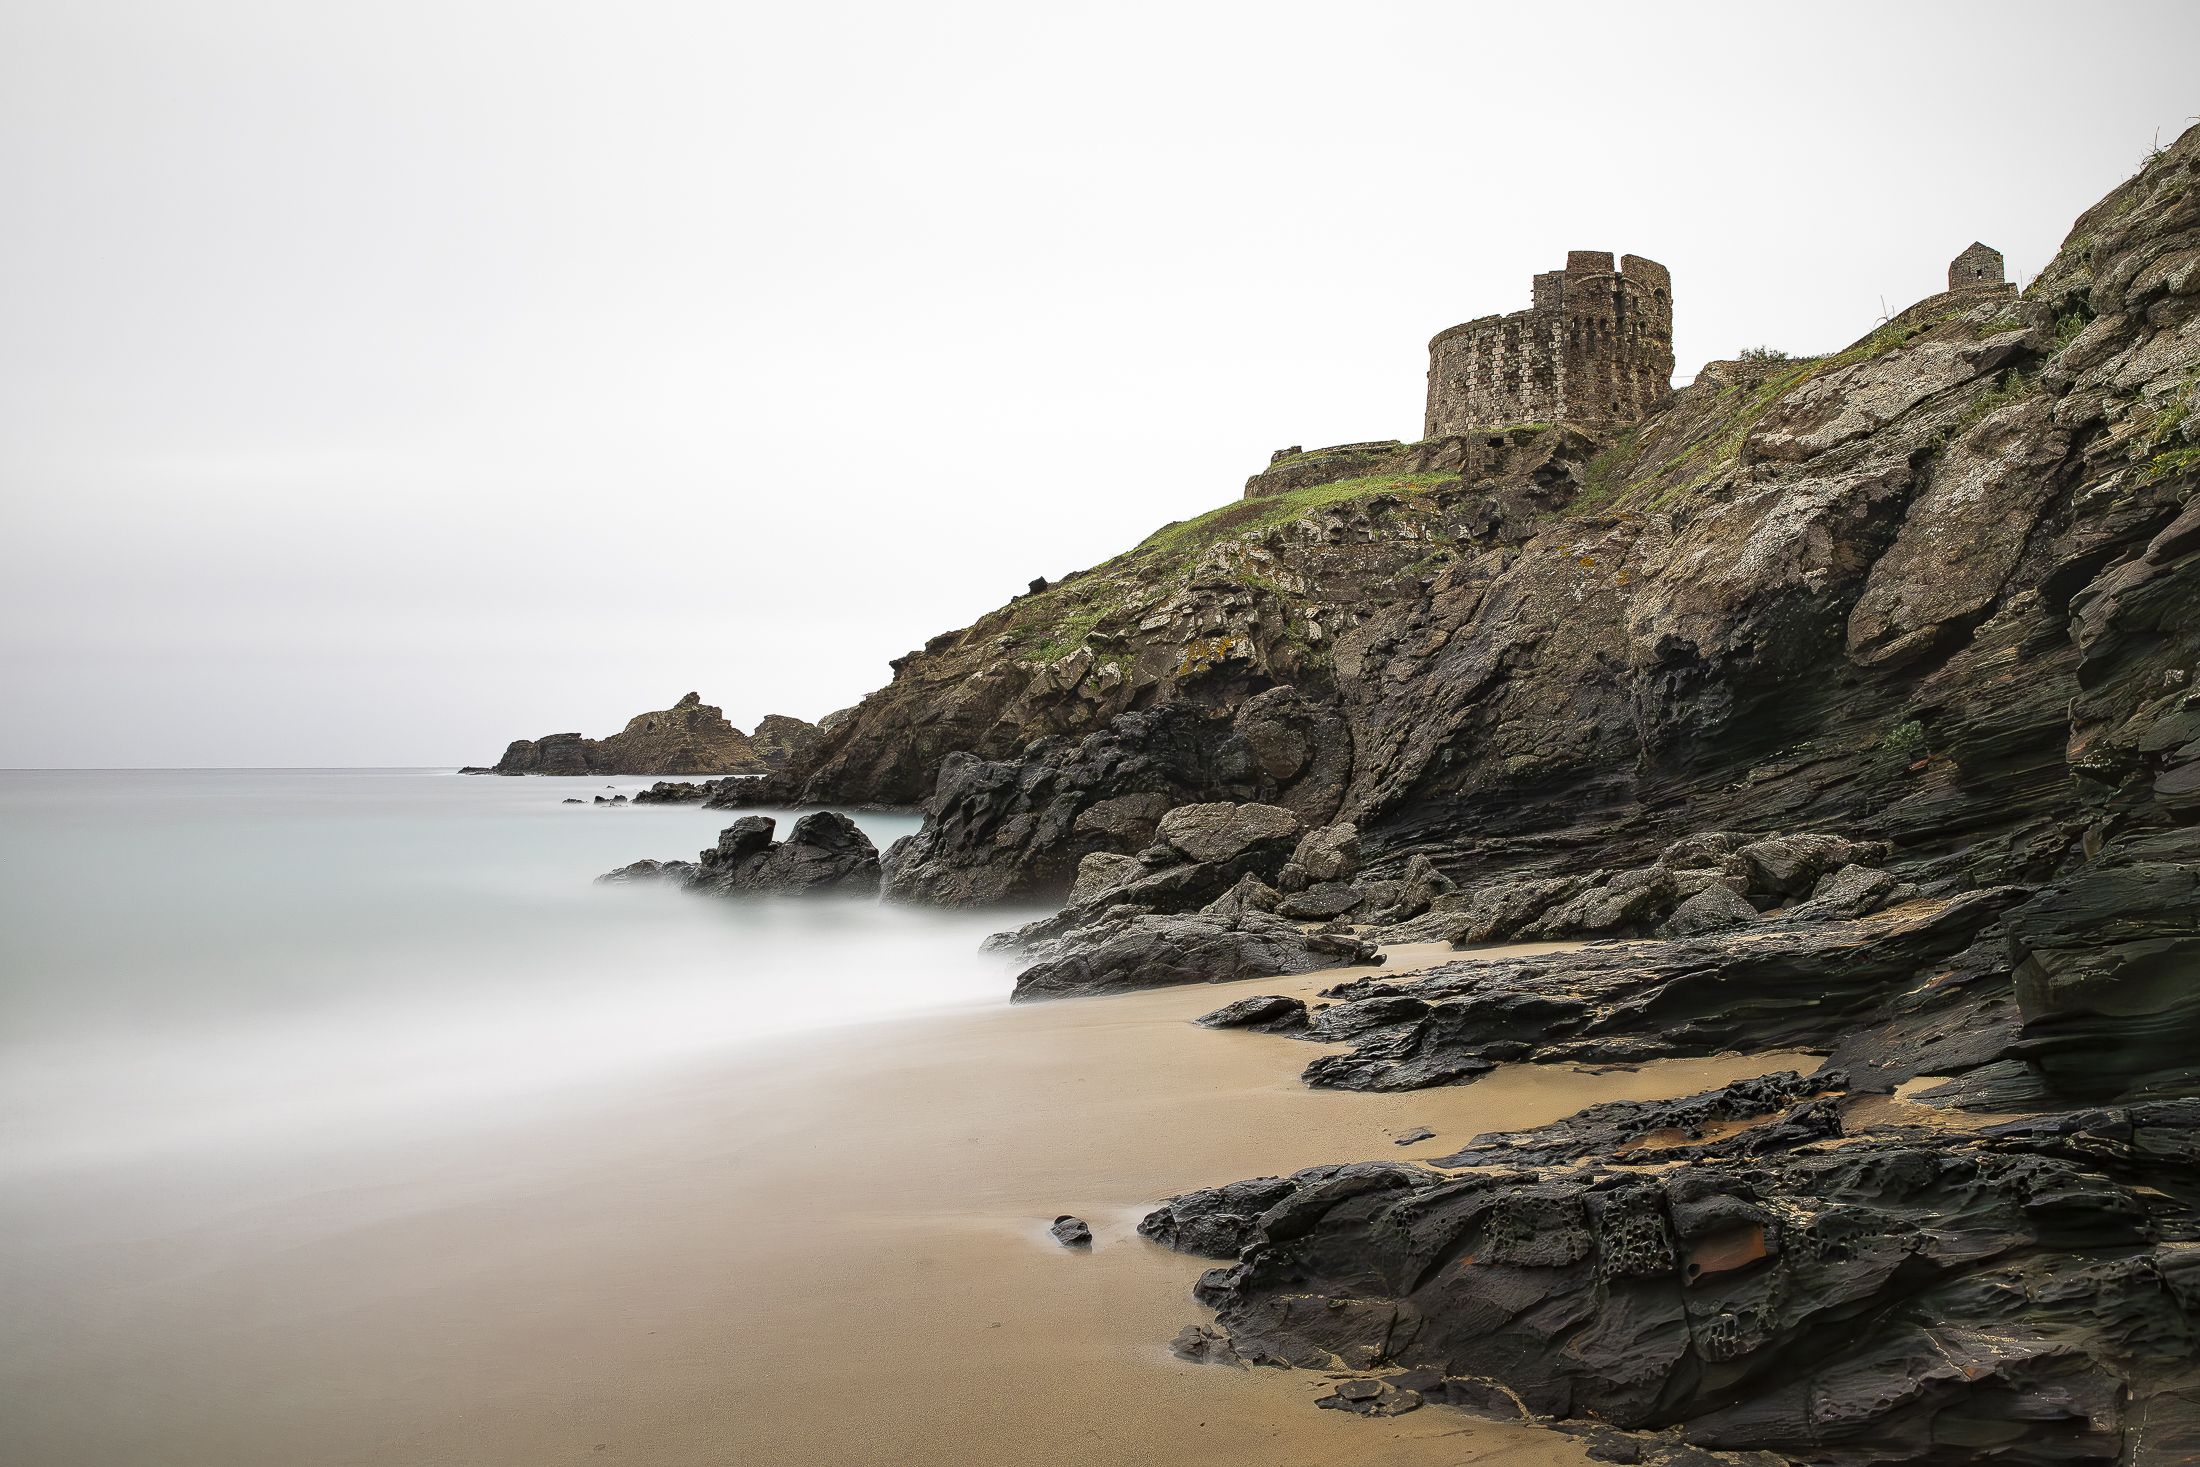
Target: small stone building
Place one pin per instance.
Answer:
(1978, 265)
(1596, 347)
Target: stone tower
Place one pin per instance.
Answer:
(1595, 348)
(1978, 265)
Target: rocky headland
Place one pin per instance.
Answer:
(690, 737)
(1843, 704)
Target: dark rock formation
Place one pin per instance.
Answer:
(1785, 985)
(1071, 1232)
(1616, 1127)
(1129, 949)
(690, 737)
(1268, 1013)
(824, 853)
(1877, 1301)
(1015, 830)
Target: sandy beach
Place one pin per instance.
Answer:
(824, 1250)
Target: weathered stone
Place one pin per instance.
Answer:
(1151, 951)
(1269, 1013)
(1224, 832)
(1320, 903)
(1790, 865)
(1102, 872)
(1713, 909)
(1851, 891)
(1331, 853)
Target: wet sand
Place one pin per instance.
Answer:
(831, 1250)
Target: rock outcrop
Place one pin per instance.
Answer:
(825, 853)
(690, 737)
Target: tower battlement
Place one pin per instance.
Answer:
(1596, 346)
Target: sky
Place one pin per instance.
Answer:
(381, 382)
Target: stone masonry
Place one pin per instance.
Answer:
(1595, 348)
(1978, 265)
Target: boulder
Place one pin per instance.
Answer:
(1790, 865)
(1493, 911)
(1851, 891)
(1330, 853)
(825, 852)
(1251, 894)
(1102, 872)
(1713, 909)
(1071, 1232)
(1215, 833)
(1625, 902)
(1320, 903)
(1146, 950)
(1269, 1013)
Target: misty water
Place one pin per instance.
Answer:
(298, 994)
(200, 960)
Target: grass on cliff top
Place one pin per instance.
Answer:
(1176, 545)
(1059, 620)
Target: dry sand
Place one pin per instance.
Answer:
(832, 1251)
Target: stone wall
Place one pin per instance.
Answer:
(1595, 347)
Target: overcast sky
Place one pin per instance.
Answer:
(380, 382)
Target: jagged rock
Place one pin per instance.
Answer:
(1146, 950)
(1627, 901)
(824, 853)
(1790, 865)
(1269, 1013)
(1251, 894)
(1493, 911)
(1126, 821)
(1102, 872)
(1071, 1232)
(1779, 986)
(1841, 1307)
(1613, 1127)
(673, 792)
(1015, 830)
(690, 737)
(646, 870)
(1852, 891)
(1713, 909)
(1330, 853)
(1216, 833)
(1424, 887)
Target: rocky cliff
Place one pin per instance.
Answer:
(1863, 684)
(1935, 588)
(690, 737)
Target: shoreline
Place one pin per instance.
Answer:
(830, 1254)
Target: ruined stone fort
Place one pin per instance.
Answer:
(1595, 347)
(1594, 352)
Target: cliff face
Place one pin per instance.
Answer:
(1936, 587)
(690, 737)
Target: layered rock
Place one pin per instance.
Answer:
(1876, 1301)
(690, 737)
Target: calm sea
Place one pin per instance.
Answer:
(197, 960)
